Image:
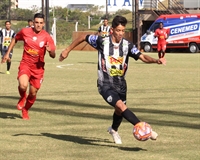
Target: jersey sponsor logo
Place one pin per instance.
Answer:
(41, 44)
(92, 40)
(115, 61)
(184, 29)
(6, 41)
(32, 51)
(116, 72)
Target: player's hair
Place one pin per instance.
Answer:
(7, 22)
(30, 20)
(39, 15)
(119, 20)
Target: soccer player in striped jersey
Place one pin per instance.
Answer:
(6, 35)
(113, 55)
(104, 29)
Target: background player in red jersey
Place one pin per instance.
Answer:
(162, 35)
(31, 69)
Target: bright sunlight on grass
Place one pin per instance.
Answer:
(69, 119)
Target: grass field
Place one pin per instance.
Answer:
(69, 118)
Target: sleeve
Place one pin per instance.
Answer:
(51, 42)
(99, 30)
(93, 40)
(133, 51)
(19, 35)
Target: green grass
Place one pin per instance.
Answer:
(69, 118)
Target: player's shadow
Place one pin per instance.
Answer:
(85, 141)
(5, 115)
(90, 141)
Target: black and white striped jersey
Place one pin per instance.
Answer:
(6, 37)
(104, 30)
(112, 58)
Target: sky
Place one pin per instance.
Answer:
(26, 4)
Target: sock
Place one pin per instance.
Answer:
(159, 55)
(8, 65)
(130, 116)
(29, 102)
(22, 93)
(116, 121)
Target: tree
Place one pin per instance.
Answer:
(4, 9)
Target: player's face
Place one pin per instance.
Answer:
(118, 33)
(161, 25)
(8, 25)
(30, 24)
(38, 24)
(105, 22)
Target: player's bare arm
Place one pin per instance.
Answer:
(52, 53)
(75, 43)
(6, 56)
(148, 59)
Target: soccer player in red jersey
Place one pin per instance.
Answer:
(31, 69)
(162, 35)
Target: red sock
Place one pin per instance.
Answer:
(29, 102)
(22, 93)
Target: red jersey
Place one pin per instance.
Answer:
(161, 34)
(34, 46)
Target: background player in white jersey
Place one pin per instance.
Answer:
(113, 55)
(104, 29)
(6, 35)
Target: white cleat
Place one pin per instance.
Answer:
(115, 135)
(154, 135)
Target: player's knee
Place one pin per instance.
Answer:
(120, 107)
(23, 87)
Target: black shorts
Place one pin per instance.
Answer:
(111, 94)
(3, 52)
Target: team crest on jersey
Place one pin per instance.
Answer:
(109, 99)
(41, 44)
(92, 40)
(34, 38)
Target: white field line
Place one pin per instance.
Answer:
(64, 65)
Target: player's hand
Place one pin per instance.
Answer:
(63, 55)
(4, 58)
(162, 61)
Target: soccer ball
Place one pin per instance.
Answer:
(142, 131)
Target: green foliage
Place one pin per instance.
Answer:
(22, 14)
(66, 19)
(4, 9)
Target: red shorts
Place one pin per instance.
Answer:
(161, 46)
(35, 75)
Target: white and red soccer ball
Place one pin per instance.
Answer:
(142, 131)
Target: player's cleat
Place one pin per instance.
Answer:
(115, 135)
(25, 114)
(7, 72)
(154, 135)
(21, 102)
